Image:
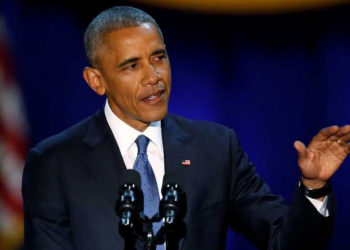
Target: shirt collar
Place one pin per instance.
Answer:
(125, 135)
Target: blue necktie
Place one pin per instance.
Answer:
(148, 182)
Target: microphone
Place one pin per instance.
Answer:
(172, 207)
(130, 202)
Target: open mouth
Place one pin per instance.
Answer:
(155, 97)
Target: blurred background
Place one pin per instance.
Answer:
(276, 71)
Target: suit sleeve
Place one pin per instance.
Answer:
(47, 224)
(265, 219)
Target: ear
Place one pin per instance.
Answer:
(94, 79)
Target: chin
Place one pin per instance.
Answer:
(157, 116)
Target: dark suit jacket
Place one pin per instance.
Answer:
(71, 182)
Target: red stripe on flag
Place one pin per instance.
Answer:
(14, 204)
(13, 139)
(6, 63)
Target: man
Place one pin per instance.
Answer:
(71, 180)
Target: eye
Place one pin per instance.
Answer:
(130, 66)
(160, 57)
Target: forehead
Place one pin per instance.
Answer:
(126, 40)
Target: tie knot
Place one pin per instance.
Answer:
(142, 143)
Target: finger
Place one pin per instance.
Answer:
(343, 130)
(301, 149)
(346, 138)
(344, 144)
(326, 133)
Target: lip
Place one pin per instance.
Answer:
(154, 98)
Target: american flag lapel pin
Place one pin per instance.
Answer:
(185, 163)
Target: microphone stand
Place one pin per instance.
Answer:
(141, 229)
(132, 232)
(169, 233)
(129, 237)
(153, 240)
(173, 233)
(135, 227)
(149, 238)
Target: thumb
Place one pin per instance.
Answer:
(301, 149)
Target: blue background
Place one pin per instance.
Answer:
(273, 78)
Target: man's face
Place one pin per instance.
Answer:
(135, 74)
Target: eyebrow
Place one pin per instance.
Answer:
(135, 59)
(158, 51)
(127, 61)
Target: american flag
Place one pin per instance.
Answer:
(185, 162)
(13, 147)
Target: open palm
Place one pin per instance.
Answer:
(324, 155)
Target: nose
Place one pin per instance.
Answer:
(151, 76)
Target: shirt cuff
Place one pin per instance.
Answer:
(321, 206)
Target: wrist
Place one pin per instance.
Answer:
(312, 183)
(315, 193)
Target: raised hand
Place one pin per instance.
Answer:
(324, 155)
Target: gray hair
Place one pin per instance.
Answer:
(114, 18)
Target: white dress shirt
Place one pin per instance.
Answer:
(126, 135)
(321, 206)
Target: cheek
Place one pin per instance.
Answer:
(165, 71)
(130, 96)
(122, 93)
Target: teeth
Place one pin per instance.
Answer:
(151, 97)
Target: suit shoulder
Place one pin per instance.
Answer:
(71, 136)
(201, 127)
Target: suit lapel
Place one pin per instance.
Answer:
(179, 146)
(104, 159)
